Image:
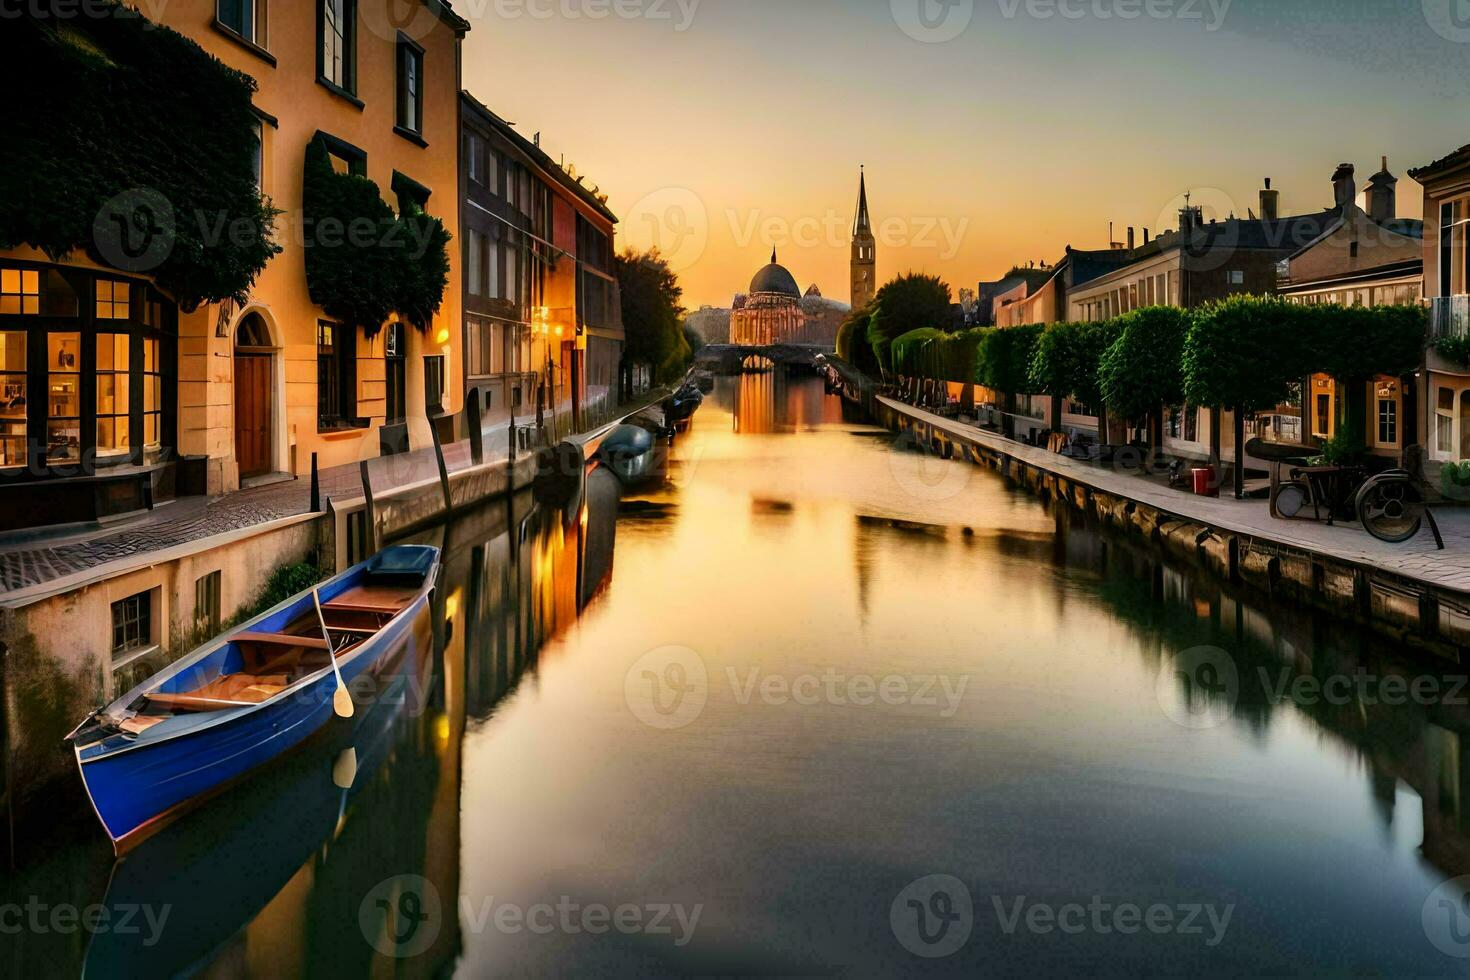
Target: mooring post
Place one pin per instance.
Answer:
(316, 487)
(370, 512)
(473, 416)
(443, 468)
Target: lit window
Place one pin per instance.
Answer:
(113, 436)
(152, 394)
(1388, 422)
(20, 291)
(13, 403)
(63, 397)
(112, 299)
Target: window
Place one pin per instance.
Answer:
(63, 397)
(113, 435)
(152, 394)
(492, 276)
(395, 353)
(206, 605)
(336, 356)
(257, 155)
(512, 290)
(492, 171)
(245, 17)
(1446, 239)
(1388, 422)
(1444, 419)
(12, 398)
(20, 291)
(410, 85)
(434, 383)
(1324, 416)
(112, 299)
(474, 262)
(474, 154)
(132, 623)
(339, 43)
(1237, 277)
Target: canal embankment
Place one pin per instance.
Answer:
(183, 574)
(1412, 592)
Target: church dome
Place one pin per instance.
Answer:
(775, 279)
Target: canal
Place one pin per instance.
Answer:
(815, 705)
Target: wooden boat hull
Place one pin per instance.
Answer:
(137, 784)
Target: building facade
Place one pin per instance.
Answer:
(543, 319)
(1368, 256)
(770, 312)
(1446, 392)
(122, 399)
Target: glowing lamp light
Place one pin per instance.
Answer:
(442, 337)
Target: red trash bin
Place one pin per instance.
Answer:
(1205, 484)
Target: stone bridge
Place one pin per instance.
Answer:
(736, 358)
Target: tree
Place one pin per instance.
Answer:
(1139, 372)
(1355, 344)
(363, 262)
(652, 315)
(135, 146)
(1244, 353)
(1060, 364)
(852, 343)
(1003, 363)
(906, 303)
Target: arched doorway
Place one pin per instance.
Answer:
(254, 397)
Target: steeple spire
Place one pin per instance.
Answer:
(773, 255)
(861, 223)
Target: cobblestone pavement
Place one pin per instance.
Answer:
(192, 519)
(177, 523)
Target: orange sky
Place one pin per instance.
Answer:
(720, 128)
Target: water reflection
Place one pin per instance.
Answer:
(1099, 749)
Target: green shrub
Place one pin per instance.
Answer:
(286, 581)
(1141, 370)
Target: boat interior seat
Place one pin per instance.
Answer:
(230, 691)
(278, 653)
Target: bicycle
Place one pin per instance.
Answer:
(1392, 508)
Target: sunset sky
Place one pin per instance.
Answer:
(1031, 128)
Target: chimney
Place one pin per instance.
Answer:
(1130, 238)
(1270, 202)
(1382, 197)
(1190, 218)
(1145, 236)
(1344, 188)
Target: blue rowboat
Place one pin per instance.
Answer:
(245, 698)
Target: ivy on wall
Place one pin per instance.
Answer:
(363, 262)
(128, 141)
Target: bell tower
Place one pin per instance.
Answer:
(864, 262)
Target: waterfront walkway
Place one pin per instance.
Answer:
(1417, 559)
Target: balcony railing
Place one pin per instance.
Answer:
(1449, 316)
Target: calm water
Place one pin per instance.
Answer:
(815, 706)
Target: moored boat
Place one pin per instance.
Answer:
(245, 698)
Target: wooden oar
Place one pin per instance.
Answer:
(341, 699)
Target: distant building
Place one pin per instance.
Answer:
(711, 323)
(774, 311)
(864, 255)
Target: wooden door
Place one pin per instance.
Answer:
(253, 414)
